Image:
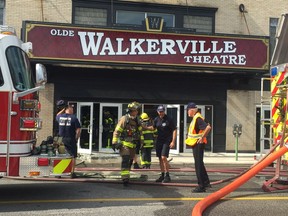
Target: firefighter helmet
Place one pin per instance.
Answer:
(133, 106)
(144, 117)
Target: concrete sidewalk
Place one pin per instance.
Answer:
(182, 159)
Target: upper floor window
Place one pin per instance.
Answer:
(90, 16)
(2, 7)
(137, 17)
(273, 29)
(133, 15)
(202, 24)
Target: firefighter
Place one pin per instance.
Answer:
(127, 134)
(148, 142)
(108, 128)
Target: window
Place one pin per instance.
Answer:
(200, 24)
(90, 16)
(2, 5)
(20, 69)
(132, 15)
(137, 17)
(273, 28)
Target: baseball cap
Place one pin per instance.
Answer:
(191, 105)
(161, 108)
(60, 103)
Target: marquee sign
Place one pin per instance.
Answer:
(111, 46)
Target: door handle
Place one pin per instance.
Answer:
(89, 128)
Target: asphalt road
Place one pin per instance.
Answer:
(143, 197)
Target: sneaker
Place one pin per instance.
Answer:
(166, 179)
(199, 190)
(160, 179)
(208, 185)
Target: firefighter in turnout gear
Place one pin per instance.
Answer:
(108, 128)
(127, 134)
(148, 143)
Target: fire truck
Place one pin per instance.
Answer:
(19, 113)
(278, 103)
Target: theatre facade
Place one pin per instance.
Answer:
(103, 68)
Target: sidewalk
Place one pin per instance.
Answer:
(182, 159)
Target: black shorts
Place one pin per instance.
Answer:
(70, 146)
(162, 149)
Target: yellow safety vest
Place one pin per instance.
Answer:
(192, 135)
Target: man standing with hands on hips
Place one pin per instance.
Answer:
(166, 139)
(198, 130)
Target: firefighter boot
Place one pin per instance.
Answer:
(136, 166)
(126, 182)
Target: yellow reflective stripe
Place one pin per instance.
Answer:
(148, 146)
(128, 144)
(114, 140)
(118, 128)
(147, 132)
(61, 166)
(125, 172)
(195, 136)
(145, 163)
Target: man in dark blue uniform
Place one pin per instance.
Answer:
(166, 139)
(69, 129)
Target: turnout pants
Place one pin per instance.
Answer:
(127, 155)
(146, 157)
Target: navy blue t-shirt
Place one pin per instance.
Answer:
(68, 123)
(165, 128)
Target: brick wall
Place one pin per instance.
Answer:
(228, 18)
(241, 109)
(37, 10)
(47, 112)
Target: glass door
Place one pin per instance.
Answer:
(265, 132)
(110, 114)
(85, 116)
(173, 111)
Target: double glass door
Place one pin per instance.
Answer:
(98, 122)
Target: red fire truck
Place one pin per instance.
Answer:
(19, 112)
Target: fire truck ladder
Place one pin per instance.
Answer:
(279, 182)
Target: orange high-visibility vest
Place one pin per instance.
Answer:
(192, 135)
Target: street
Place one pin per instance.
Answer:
(142, 197)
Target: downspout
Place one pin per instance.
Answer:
(42, 10)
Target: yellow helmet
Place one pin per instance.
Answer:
(144, 117)
(134, 105)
